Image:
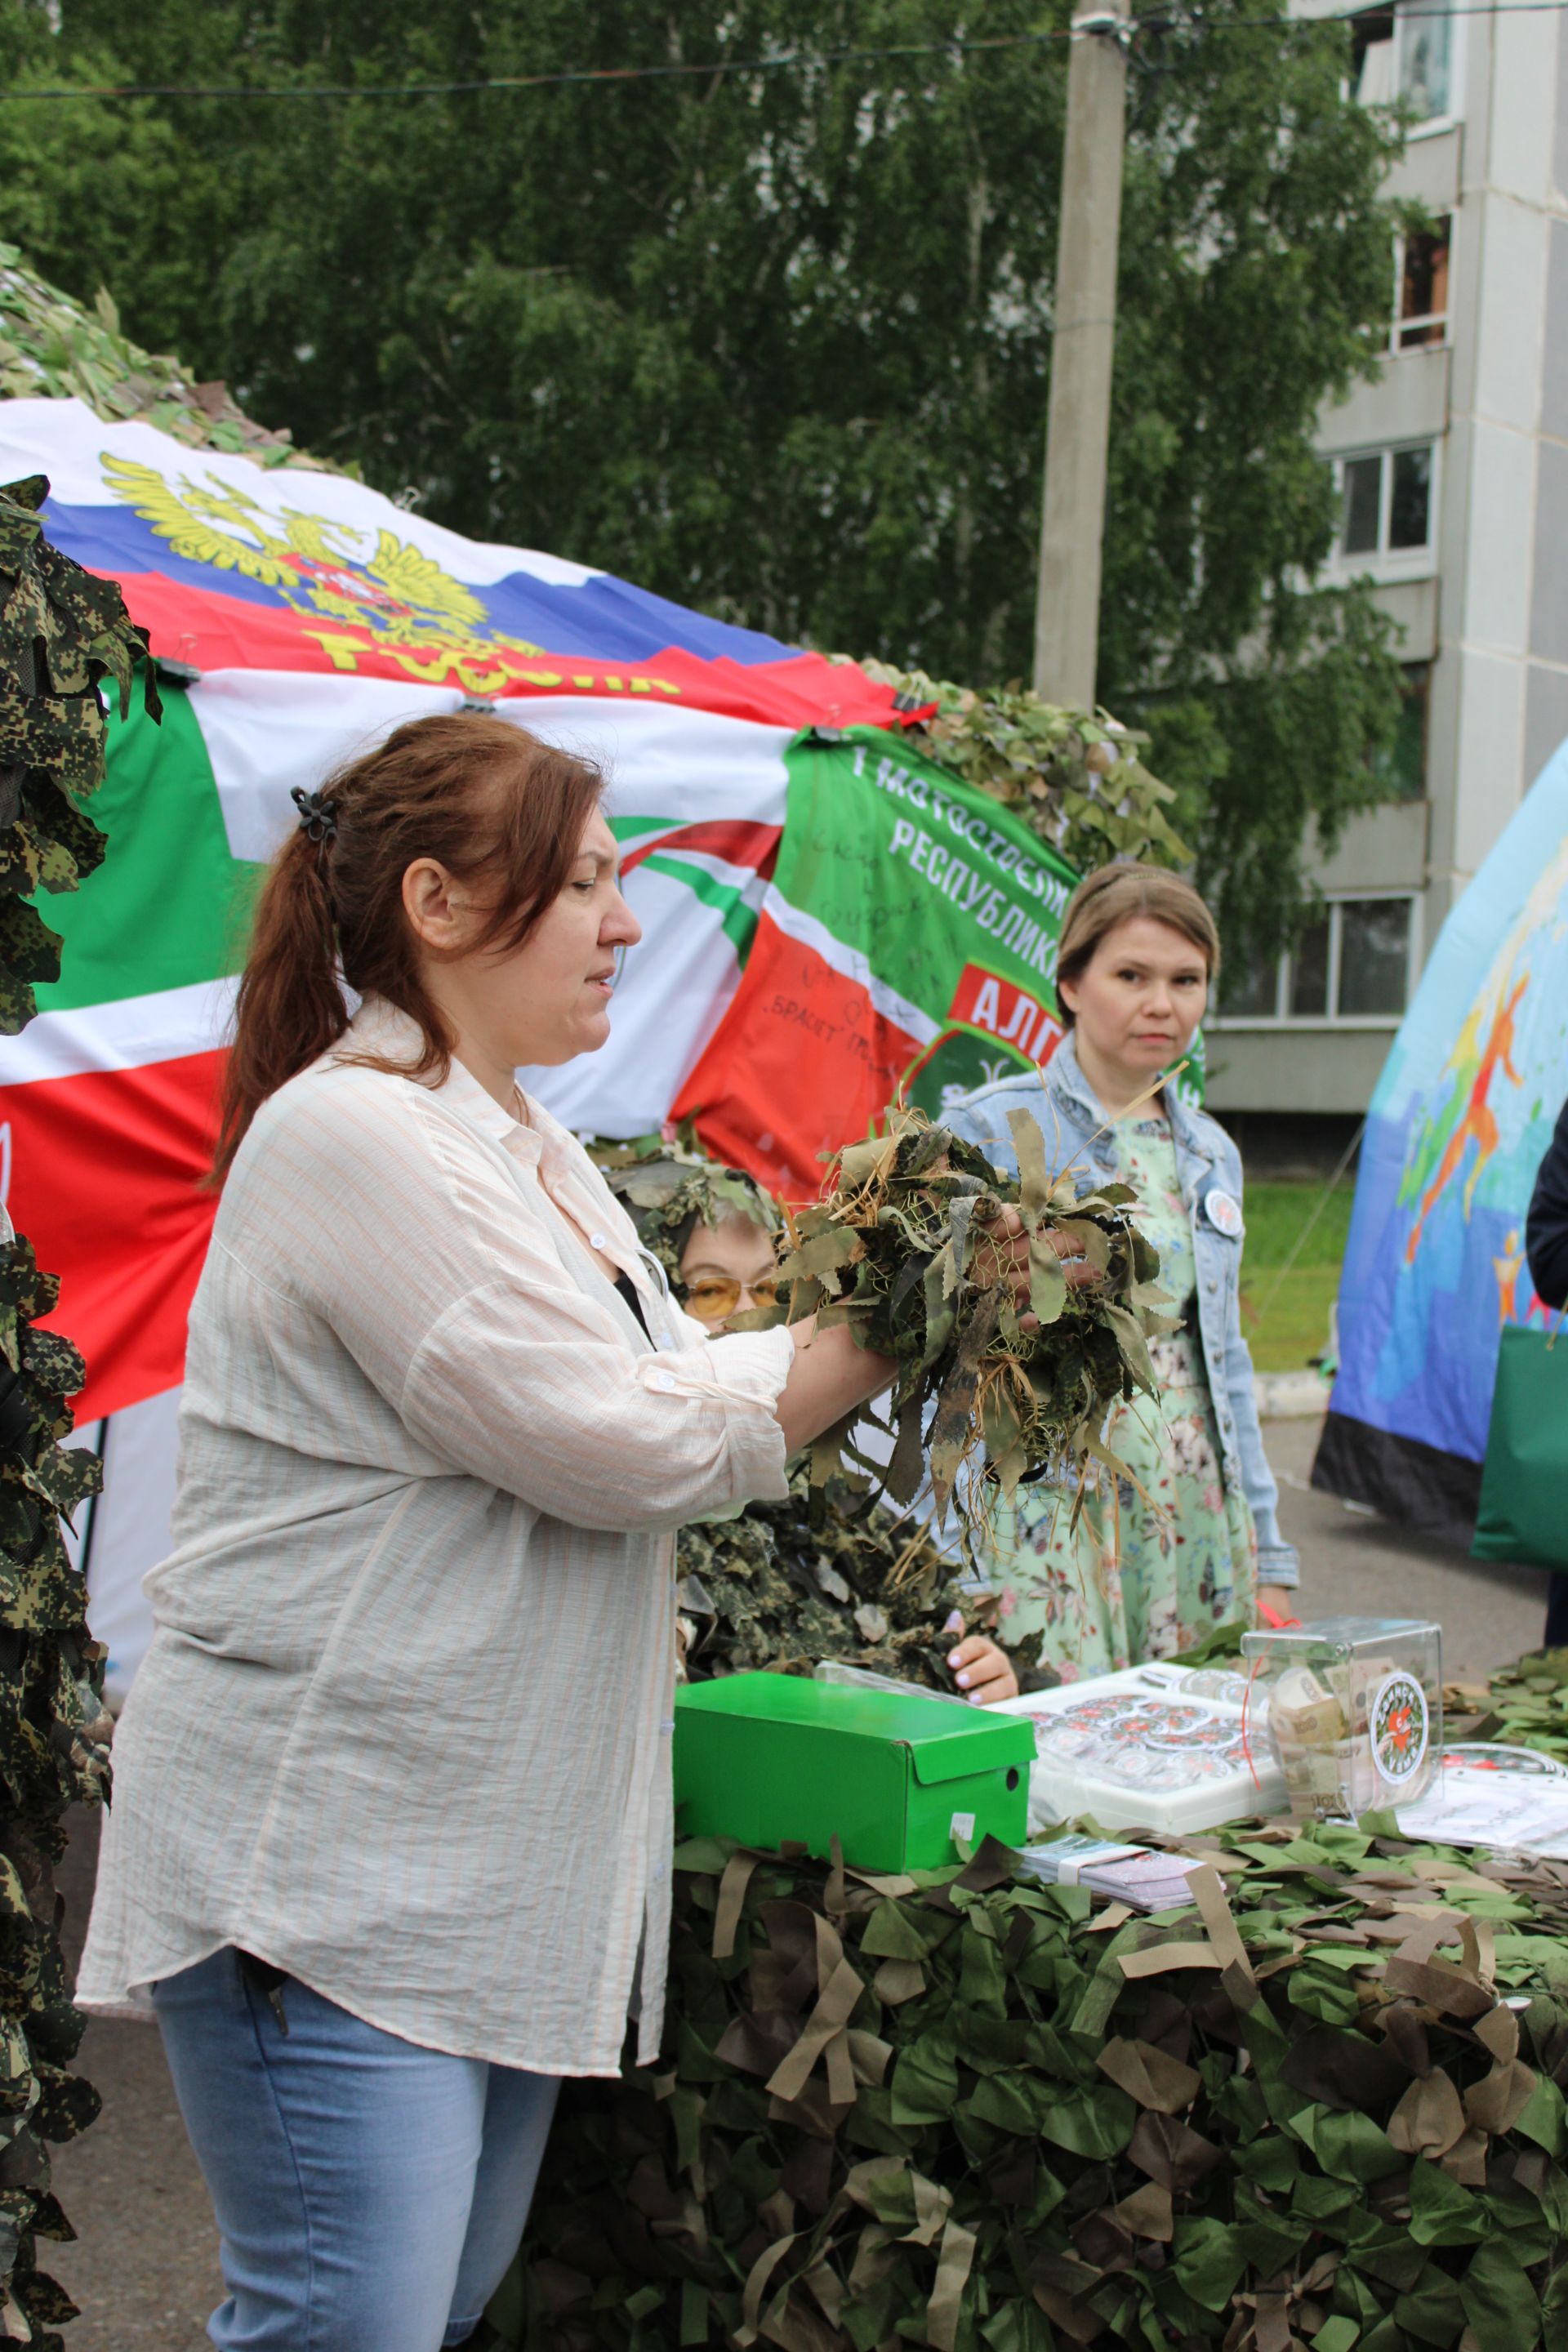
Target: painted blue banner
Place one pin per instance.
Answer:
(1458, 1125)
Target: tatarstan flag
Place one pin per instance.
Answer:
(906, 943)
(307, 617)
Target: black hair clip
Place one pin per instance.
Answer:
(317, 818)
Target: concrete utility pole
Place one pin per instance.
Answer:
(1067, 607)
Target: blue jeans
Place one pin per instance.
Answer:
(369, 2194)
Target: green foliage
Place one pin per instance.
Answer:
(780, 346)
(1286, 1310)
(902, 1250)
(60, 632)
(1293, 744)
(1302, 2110)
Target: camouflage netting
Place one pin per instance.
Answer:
(900, 1249)
(669, 1187)
(1321, 2107)
(1075, 778)
(787, 1584)
(52, 348)
(61, 632)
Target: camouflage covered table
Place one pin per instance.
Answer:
(1323, 2106)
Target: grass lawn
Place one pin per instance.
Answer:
(1285, 1316)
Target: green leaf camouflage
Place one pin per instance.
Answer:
(1075, 778)
(827, 1573)
(62, 631)
(53, 347)
(1322, 2105)
(669, 1187)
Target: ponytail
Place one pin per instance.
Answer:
(482, 797)
(289, 1007)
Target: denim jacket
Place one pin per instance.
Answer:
(1207, 1162)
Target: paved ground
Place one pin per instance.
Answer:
(144, 2268)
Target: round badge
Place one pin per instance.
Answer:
(1399, 1728)
(1222, 1211)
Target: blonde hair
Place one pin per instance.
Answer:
(1116, 894)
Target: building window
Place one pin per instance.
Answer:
(1250, 990)
(1350, 964)
(1401, 770)
(1387, 507)
(1425, 39)
(1421, 287)
(1307, 997)
(1405, 54)
(1374, 956)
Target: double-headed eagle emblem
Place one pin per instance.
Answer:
(394, 600)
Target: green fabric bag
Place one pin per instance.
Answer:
(1523, 1509)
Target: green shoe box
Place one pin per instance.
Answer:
(770, 1758)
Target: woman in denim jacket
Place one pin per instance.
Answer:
(1192, 1539)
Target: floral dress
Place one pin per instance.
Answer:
(1144, 1574)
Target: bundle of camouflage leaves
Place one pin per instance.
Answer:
(789, 1583)
(902, 1250)
(784, 1585)
(60, 632)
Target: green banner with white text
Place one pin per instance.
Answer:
(906, 943)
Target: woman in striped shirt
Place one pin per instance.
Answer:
(389, 1850)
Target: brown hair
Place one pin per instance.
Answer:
(482, 797)
(1116, 894)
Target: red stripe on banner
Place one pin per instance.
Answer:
(210, 631)
(801, 1063)
(106, 1182)
(735, 839)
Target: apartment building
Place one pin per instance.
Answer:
(1453, 472)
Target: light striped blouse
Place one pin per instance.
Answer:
(404, 1727)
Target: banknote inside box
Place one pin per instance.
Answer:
(1353, 1707)
(895, 1776)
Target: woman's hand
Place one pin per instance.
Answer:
(1281, 1599)
(982, 1669)
(1010, 1261)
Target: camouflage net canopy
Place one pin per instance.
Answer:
(53, 347)
(1321, 2107)
(1075, 778)
(61, 632)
